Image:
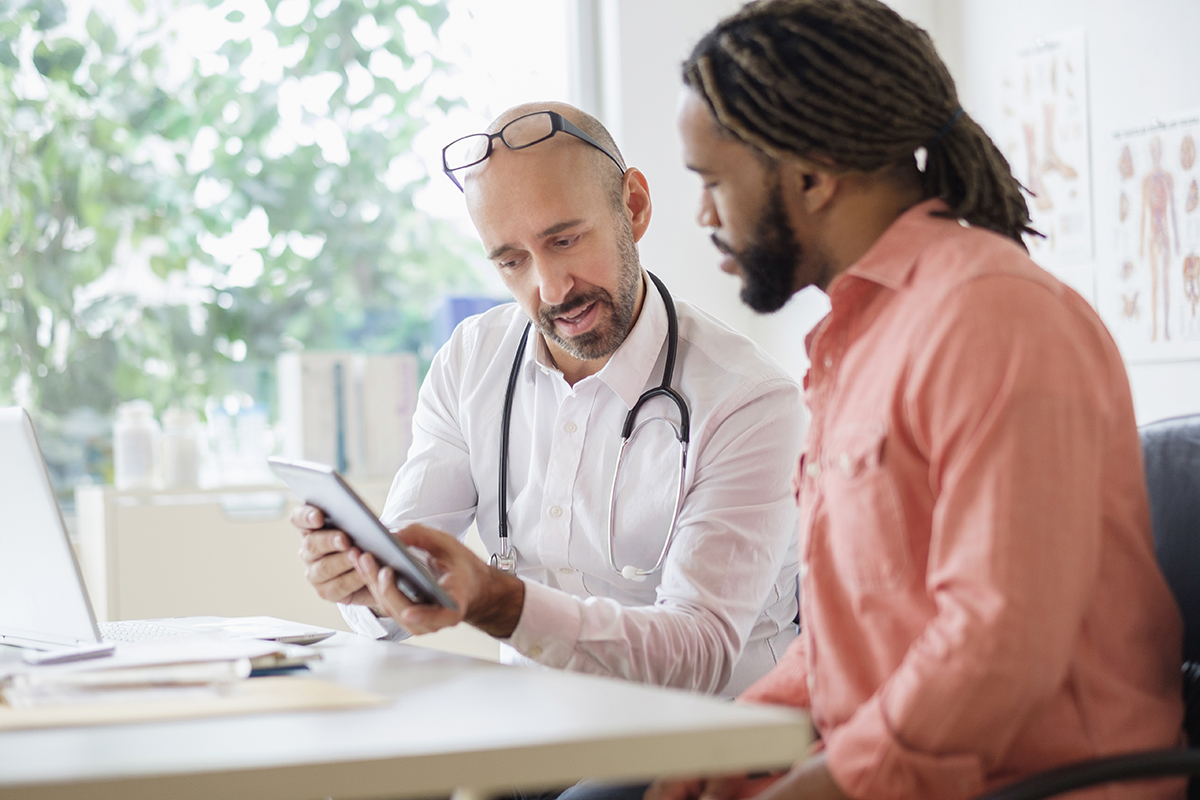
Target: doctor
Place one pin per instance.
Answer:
(681, 577)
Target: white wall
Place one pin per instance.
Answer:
(1142, 63)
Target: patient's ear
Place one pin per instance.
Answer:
(807, 185)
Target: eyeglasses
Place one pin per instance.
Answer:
(522, 132)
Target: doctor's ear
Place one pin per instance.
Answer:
(636, 199)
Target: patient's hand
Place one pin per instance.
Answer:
(487, 598)
(329, 557)
(808, 779)
(727, 787)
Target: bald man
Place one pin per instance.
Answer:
(704, 600)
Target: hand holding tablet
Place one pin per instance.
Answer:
(321, 486)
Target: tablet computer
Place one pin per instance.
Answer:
(320, 485)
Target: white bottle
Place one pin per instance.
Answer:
(180, 449)
(135, 441)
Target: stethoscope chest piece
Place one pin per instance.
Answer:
(506, 562)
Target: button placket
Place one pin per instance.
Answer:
(558, 496)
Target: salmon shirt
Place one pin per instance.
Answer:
(980, 598)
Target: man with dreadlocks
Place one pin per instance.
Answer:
(979, 593)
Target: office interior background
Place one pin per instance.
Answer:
(190, 189)
(1139, 63)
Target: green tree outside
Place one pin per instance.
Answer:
(162, 235)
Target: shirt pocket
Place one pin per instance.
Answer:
(867, 537)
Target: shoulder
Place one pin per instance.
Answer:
(956, 254)
(987, 278)
(983, 296)
(478, 346)
(726, 362)
(484, 335)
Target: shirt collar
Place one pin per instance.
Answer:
(628, 370)
(890, 260)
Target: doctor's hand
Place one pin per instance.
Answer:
(328, 557)
(487, 598)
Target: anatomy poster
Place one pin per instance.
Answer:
(1149, 266)
(1044, 136)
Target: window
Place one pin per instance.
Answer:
(189, 188)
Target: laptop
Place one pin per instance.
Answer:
(43, 602)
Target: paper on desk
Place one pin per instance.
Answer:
(256, 696)
(261, 627)
(168, 681)
(188, 661)
(155, 652)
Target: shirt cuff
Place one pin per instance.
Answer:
(867, 760)
(548, 629)
(364, 622)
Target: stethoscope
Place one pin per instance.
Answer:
(506, 559)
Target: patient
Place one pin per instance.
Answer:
(980, 597)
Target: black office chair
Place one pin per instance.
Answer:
(1171, 449)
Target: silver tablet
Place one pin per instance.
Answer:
(321, 486)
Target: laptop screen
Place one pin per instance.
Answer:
(42, 596)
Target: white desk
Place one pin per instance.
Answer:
(455, 723)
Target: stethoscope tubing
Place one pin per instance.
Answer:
(505, 560)
(630, 572)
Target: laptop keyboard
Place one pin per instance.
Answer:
(136, 631)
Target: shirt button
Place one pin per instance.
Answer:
(828, 362)
(566, 570)
(813, 470)
(570, 427)
(555, 512)
(844, 462)
(804, 570)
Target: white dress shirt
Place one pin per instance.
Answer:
(720, 612)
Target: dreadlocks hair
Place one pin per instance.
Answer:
(852, 85)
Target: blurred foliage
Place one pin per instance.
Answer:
(126, 181)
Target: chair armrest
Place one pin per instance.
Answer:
(1133, 766)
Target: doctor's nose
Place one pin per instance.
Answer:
(554, 286)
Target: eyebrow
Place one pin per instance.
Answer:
(557, 227)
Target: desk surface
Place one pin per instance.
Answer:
(453, 723)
